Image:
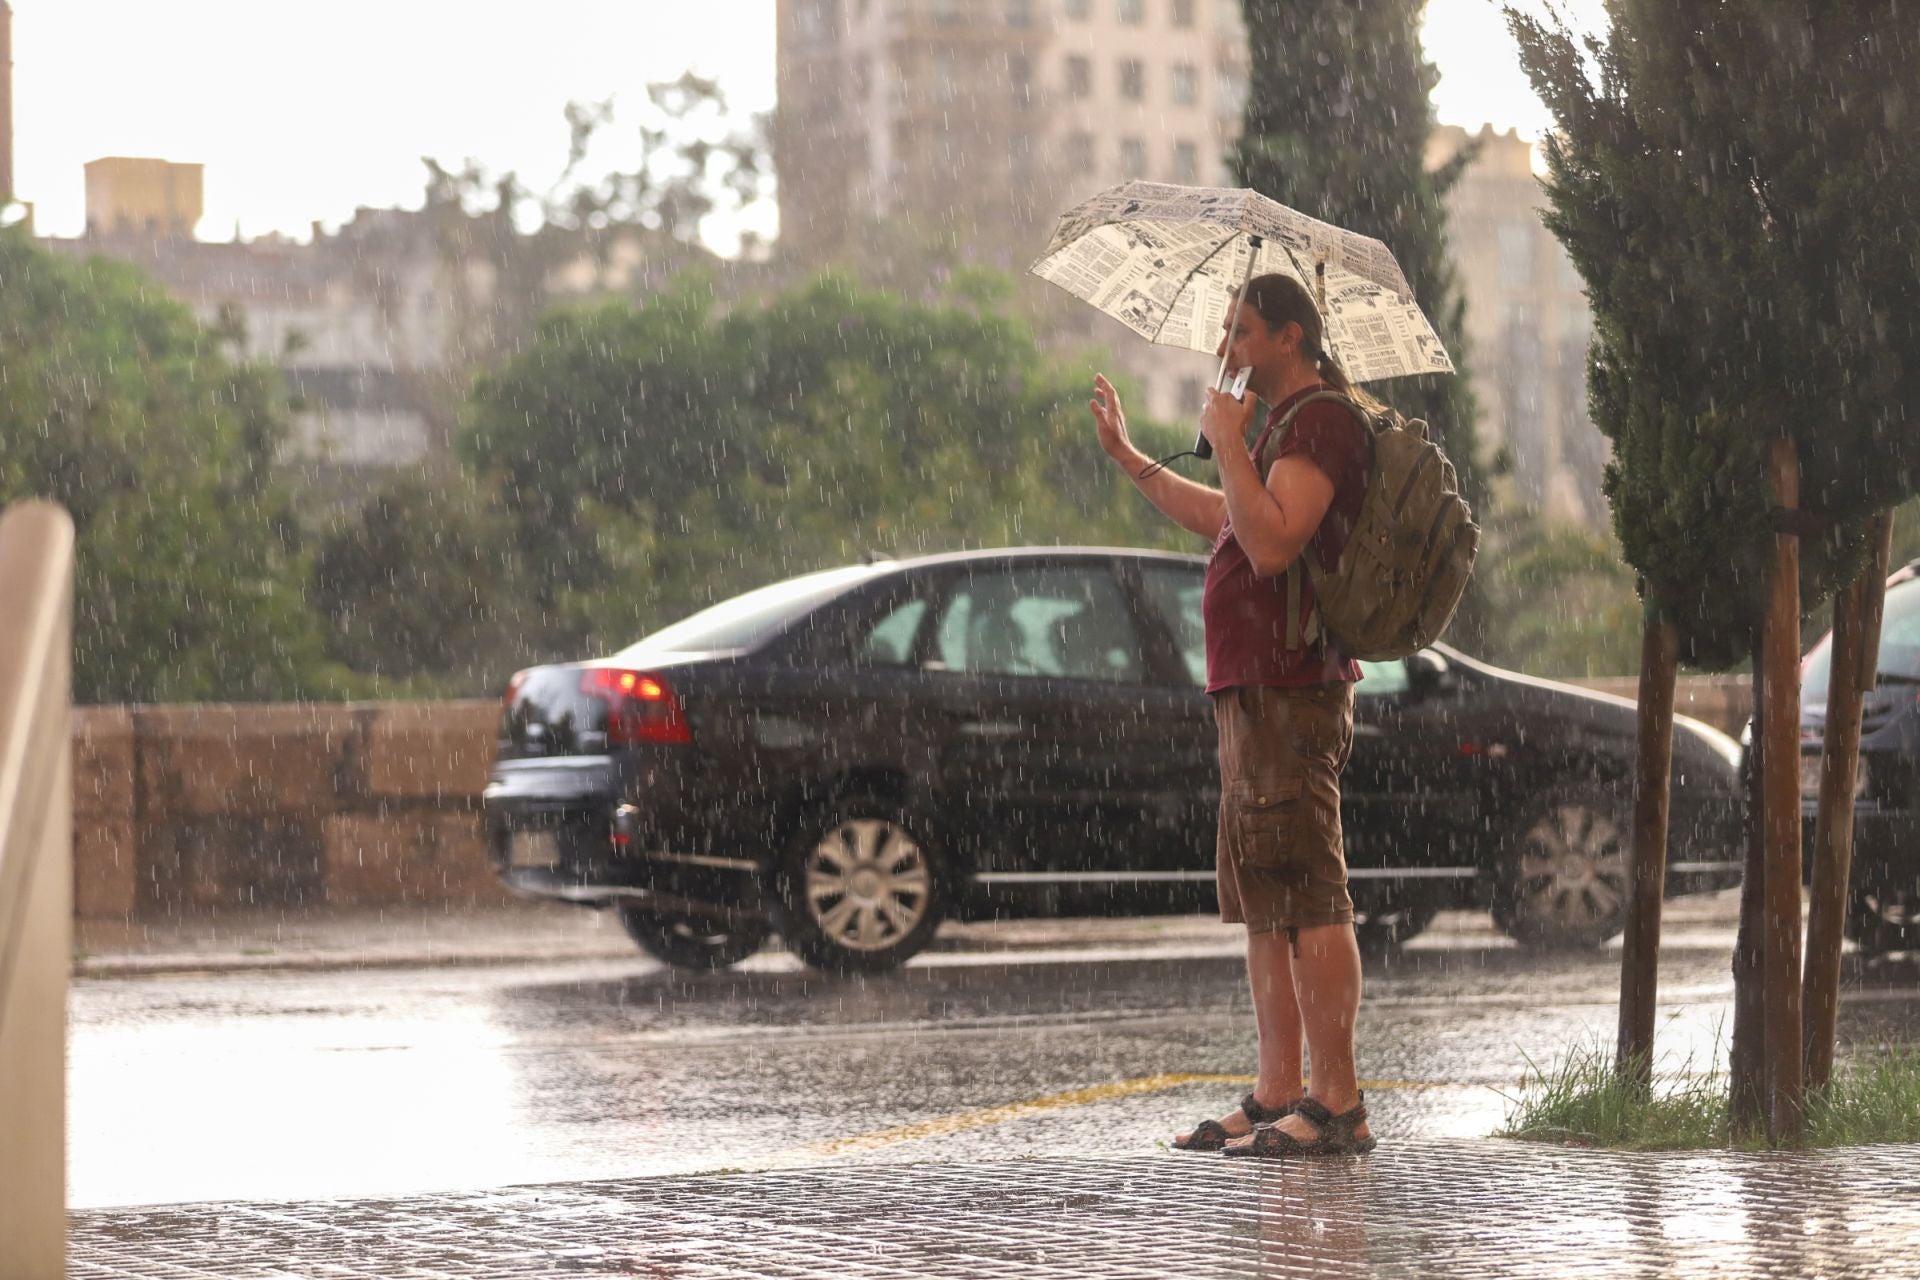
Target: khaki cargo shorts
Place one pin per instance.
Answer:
(1280, 861)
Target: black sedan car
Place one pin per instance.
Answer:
(1884, 902)
(851, 756)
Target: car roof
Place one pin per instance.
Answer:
(945, 558)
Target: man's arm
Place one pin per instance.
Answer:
(1272, 520)
(1192, 506)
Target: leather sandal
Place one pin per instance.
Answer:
(1336, 1136)
(1211, 1135)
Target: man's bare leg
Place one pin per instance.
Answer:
(1276, 1016)
(1276, 1019)
(1327, 976)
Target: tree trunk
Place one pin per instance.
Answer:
(1780, 937)
(1640, 954)
(1746, 1065)
(1850, 676)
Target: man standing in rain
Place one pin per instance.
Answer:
(1283, 703)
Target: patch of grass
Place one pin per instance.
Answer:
(1582, 1102)
(1871, 1099)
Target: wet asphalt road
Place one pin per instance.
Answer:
(409, 1080)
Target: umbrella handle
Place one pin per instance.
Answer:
(1203, 447)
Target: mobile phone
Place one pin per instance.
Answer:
(1239, 389)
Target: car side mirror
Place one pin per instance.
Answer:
(1428, 673)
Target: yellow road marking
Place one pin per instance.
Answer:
(961, 1121)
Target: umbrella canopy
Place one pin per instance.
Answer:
(1166, 261)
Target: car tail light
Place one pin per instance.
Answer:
(513, 689)
(641, 707)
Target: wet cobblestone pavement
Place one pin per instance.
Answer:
(1468, 1208)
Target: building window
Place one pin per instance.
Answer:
(1230, 90)
(1020, 155)
(1133, 12)
(1184, 84)
(1076, 8)
(1183, 13)
(814, 19)
(1079, 153)
(1020, 79)
(1133, 79)
(945, 82)
(1516, 255)
(1020, 13)
(949, 13)
(1079, 77)
(1133, 158)
(1186, 163)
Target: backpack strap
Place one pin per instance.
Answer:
(1303, 632)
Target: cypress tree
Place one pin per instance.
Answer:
(1735, 186)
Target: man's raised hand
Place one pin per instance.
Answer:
(1110, 419)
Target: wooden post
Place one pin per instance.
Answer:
(1780, 937)
(1850, 675)
(1640, 952)
(1746, 1064)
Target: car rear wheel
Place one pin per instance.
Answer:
(860, 888)
(689, 942)
(1565, 872)
(1881, 919)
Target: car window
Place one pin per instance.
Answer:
(889, 642)
(1067, 622)
(1899, 643)
(1379, 679)
(744, 621)
(1174, 593)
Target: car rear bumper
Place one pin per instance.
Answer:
(582, 853)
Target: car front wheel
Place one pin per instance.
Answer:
(860, 889)
(1565, 872)
(688, 942)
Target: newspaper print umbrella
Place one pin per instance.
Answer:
(1168, 261)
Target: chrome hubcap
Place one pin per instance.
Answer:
(867, 884)
(1573, 869)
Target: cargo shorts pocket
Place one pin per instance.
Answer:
(1264, 821)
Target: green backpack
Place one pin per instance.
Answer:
(1407, 561)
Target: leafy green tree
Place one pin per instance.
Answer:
(696, 158)
(1565, 601)
(660, 456)
(116, 403)
(1337, 119)
(423, 591)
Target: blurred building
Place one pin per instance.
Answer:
(1528, 325)
(975, 123)
(376, 326)
(138, 195)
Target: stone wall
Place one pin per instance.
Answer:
(191, 809)
(197, 809)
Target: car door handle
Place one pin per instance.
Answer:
(975, 725)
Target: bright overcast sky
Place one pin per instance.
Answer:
(321, 108)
